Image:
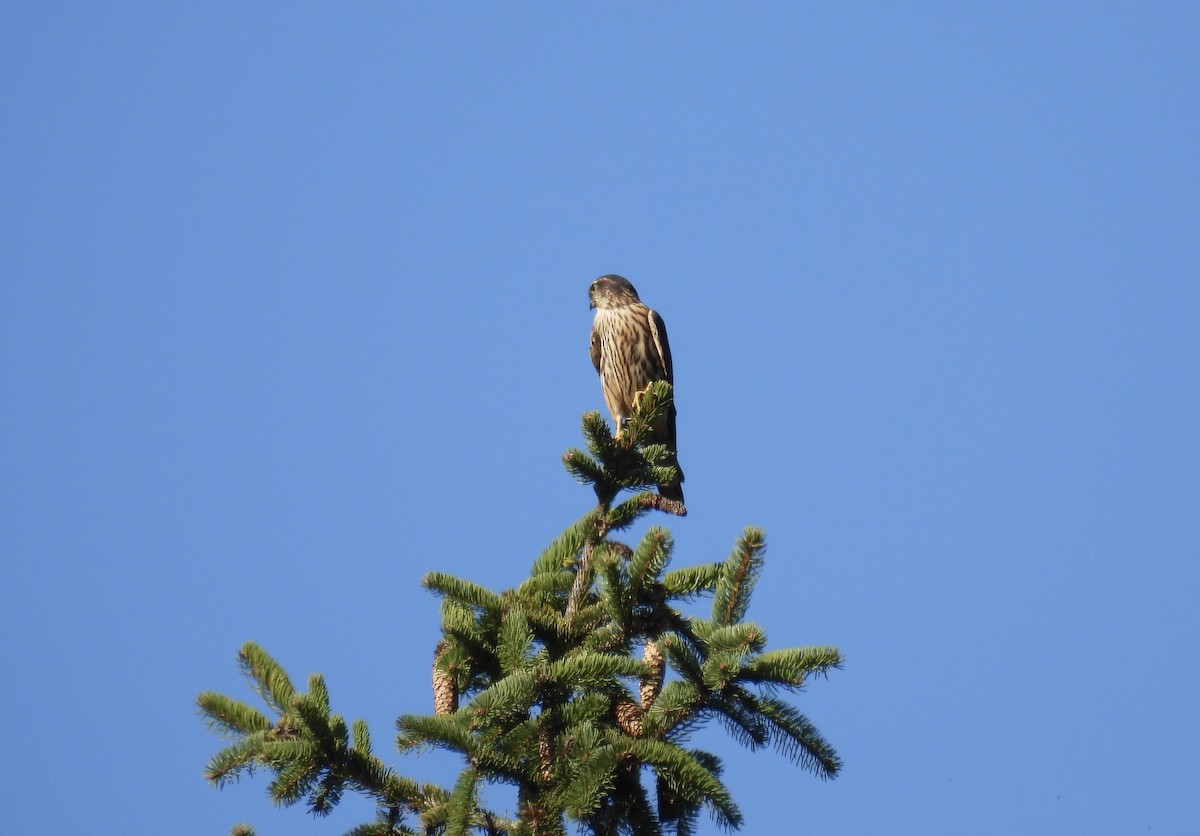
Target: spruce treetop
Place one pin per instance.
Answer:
(579, 687)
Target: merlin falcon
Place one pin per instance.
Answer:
(630, 351)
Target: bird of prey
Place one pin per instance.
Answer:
(630, 351)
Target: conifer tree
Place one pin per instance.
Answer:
(578, 688)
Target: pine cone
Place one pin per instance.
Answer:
(652, 682)
(545, 755)
(629, 717)
(445, 691)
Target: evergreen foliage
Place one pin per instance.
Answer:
(578, 688)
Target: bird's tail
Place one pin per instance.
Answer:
(673, 490)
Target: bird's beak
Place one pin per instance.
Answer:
(591, 303)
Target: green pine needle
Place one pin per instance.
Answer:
(789, 667)
(231, 716)
(691, 581)
(737, 577)
(651, 558)
(267, 677)
(362, 738)
(464, 592)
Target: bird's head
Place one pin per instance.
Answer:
(611, 291)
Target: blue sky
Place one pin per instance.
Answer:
(932, 282)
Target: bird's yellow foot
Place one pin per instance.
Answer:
(621, 422)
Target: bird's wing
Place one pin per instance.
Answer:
(658, 334)
(662, 350)
(594, 349)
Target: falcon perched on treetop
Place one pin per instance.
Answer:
(630, 351)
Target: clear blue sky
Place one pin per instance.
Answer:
(932, 282)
